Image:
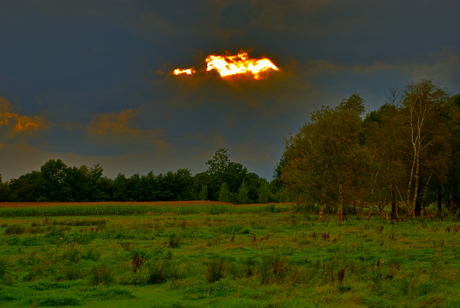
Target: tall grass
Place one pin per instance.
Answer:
(261, 258)
(128, 209)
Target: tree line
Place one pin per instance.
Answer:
(405, 155)
(224, 181)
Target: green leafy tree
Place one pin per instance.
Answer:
(385, 140)
(242, 196)
(52, 183)
(322, 161)
(222, 170)
(25, 188)
(219, 163)
(134, 188)
(203, 178)
(354, 103)
(204, 192)
(119, 188)
(78, 182)
(276, 182)
(451, 189)
(264, 192)
(224, 193)
(176, 185)
(150, 187)
(97, 192)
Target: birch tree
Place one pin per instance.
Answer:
(421, 102)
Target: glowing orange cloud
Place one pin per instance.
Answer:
(113, 122)
(188, 71)
(239, 64)
(6, 114)
(235, 65)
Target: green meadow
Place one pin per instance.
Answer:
(223, 256)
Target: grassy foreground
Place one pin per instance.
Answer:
(215, 255)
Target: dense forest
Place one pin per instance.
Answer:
(224, 180)
(405, 154)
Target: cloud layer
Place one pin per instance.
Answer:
(89, 82)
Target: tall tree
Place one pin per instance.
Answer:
(323, 158)
(53, 186)
(242, 196)
(421, 102)
(224, 193)
(264, 192)
(25, 188)
(119, 188)
(203, 193)
(385, 140)
(222, 170)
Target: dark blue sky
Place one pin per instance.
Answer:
(94, 76)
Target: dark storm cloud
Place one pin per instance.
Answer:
(96, 75)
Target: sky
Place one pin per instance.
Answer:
(90, 81)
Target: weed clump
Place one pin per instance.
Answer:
(2, 268)
(72, 254)
(157, 273)
(59, 301)
(174, 241)
(14, 229)
(91, 254)
(101, 274)
(71, 273)
(215, 271)
(273, 268)
(249, 267)
(114, 293)
(137, 262)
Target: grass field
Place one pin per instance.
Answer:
(205, 254)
